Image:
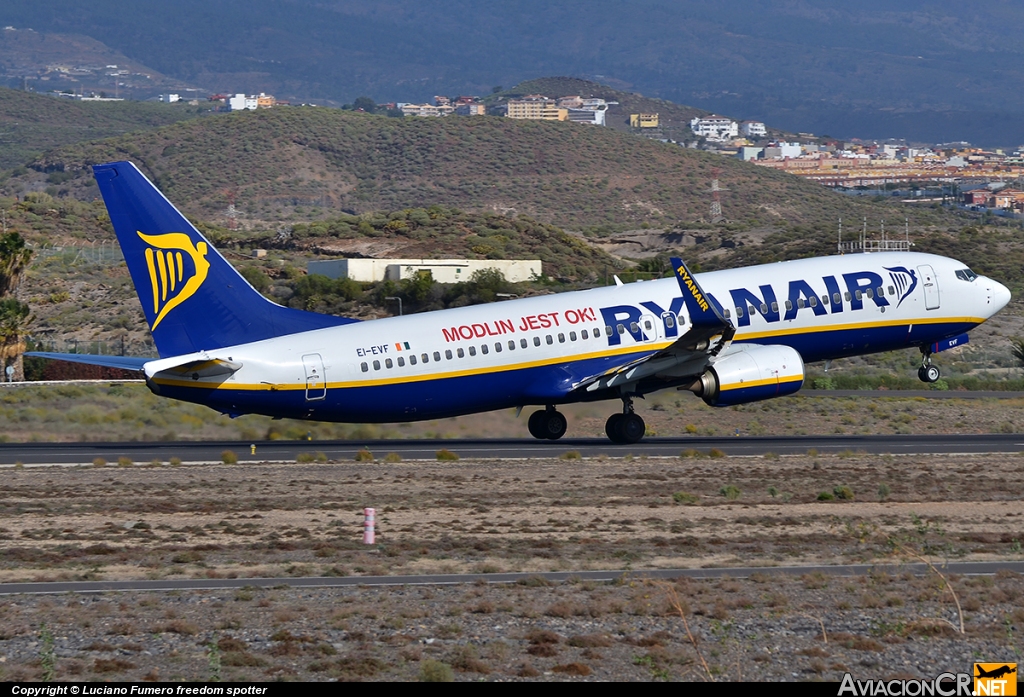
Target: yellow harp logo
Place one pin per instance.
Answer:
(166, 260)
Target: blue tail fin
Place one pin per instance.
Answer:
(192, 297)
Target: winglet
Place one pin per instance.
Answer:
(704, 310)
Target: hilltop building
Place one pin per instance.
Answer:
(714, 128)
(537, 108)
(753, 129)
(241, 102)
(441, 270)
(643, 120)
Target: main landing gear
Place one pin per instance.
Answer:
(547, 424)
(928, 372)
(625, 428)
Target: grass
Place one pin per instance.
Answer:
(447, 455)
(363, 455)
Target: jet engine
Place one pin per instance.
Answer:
(749, 373)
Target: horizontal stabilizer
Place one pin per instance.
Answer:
(203, 368)
(122, 362)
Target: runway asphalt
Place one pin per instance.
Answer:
(965, 568)
(515, 448)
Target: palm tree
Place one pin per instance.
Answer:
(14, 320)
(14, 258)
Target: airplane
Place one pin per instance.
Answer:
(730, 337)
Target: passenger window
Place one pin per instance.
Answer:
(511, 345)
(789, 305)
(365, 368)
(597, 332)
(497, 347)
(727, 313)
(388, 363)
(752, 310)
(412, 359)
(376, 365)
(775, 307)
(670, 320)
(858, 295)
(739, 311)
(561, 338)
(847, 294)
(460, 353)
(824, 300)
(447, 354)
(522, 343)
(892, 291)
(813, 300)
(584, 335)
(549, 339)
(764, 309)
(608, 330)
(800, 303)
(870, 293)
(483, 349)
(836, 298)
(647, 324)
(536, 341)
(622, 329)
(472, 350)
(401, 362)
(572, 336)
(633, 328)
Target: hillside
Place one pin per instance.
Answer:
(927, 71)
(293, 164)
(31, 124)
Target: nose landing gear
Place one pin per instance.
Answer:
(625, 428)
(928, 372)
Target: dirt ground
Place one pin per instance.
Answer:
(519, 515)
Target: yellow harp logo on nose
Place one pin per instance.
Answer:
(169, 258)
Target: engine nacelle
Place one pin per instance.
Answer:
(749, 373)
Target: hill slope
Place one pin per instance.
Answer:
(921, 70)
(300, 163)
(31, 124)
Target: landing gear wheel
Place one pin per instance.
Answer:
(536, 424)
(632, 428)
(625, 429)
(547, 424)
(611, 427)
(929, 373)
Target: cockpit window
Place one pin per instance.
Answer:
(966, 275)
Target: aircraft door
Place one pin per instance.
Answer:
(649, 328)
(931, 287)
(316, 380)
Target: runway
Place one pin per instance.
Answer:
(985, 568)
(514, 448)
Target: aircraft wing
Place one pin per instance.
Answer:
(708, 334)
(122, 362)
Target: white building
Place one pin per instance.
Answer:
(442, 270)
(170, 98)
(240, 102)
(779, 151)
(716, 128)
(748, 153)
(753, 129)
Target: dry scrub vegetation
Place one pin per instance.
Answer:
(245, 520)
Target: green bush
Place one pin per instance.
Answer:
(363, 455)
(843, 493)
(436, 671)
(826, 496)
(228, 457)
(730, 491)
(445, 454)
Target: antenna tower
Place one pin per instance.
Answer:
(232, 212)
(716, 199)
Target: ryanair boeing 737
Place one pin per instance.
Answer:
(729, 337)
